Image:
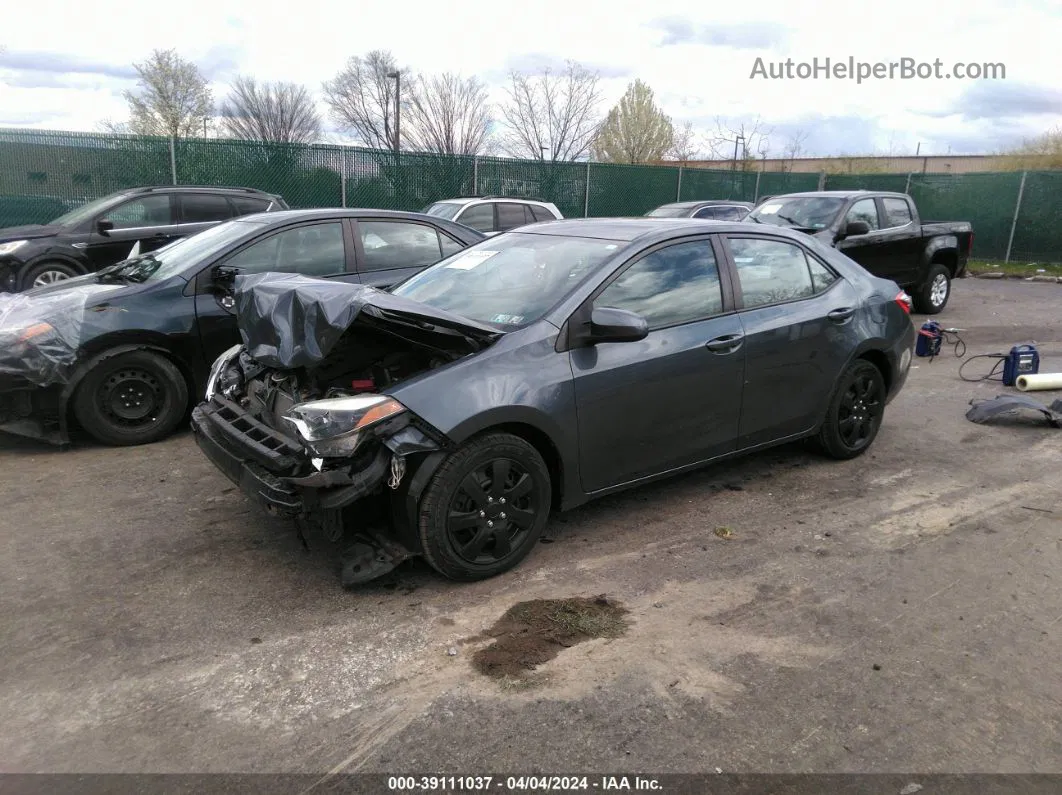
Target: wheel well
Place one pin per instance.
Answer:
(881, 361)
(545, 447)
(23, 272)
(173, 359)
(949, 259)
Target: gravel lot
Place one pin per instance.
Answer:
(899, 612)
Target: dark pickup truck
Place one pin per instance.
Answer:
(883, 233)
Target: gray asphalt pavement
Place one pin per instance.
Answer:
(898, 612)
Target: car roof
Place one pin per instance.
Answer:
(195, 188)
(638, 228)
(707, 203)
(470, 199)
(839, 194)
(285, 216)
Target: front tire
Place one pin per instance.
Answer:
(855, 412)
(486, 507)
(132, 398)
(45, 273)
(933, 295)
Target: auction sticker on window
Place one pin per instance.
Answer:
(770, 209)
(470, 259)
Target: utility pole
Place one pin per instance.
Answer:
(397, 76)
(740, 138)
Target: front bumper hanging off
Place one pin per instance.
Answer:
(272, 470)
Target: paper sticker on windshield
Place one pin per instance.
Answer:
(471, 259)
(770, 209)
(509, 320)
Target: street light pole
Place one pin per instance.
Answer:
(398, 96)
(544, 150)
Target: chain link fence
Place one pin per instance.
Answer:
(43, 174)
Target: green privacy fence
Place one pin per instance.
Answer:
(44, 173)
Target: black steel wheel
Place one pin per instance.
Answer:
(133, 398)
(485, 508)
(855, 413)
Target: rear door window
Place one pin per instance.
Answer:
(479, 217)
(199, 208)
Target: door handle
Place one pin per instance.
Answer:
(725, 344)
(841, 315)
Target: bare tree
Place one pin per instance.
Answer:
(794, 146)
(748, 139)
(112, 127)
(447, 114)
(685, 145)
(552, 116)
(362, 98)
(172, 97)
(270, 112)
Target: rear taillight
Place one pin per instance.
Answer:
(904, 300)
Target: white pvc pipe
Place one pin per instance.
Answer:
(1034, 383)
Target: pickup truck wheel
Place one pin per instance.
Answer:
(933, 296)
(47, 273)
(133, 398)
(855, 412)
(485, 508)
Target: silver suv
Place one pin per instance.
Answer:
(493, 214)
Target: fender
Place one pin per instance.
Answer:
(937, 245)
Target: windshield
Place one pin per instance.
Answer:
(511, 280)
(445, 210)
(85, 212)
(808, 212)
(668, 212)
(174, 259)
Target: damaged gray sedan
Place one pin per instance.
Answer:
(540, 369)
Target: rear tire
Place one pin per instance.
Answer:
(933, 295)
(855, 413)
(485, 508)
(132, 398)
(45, 273)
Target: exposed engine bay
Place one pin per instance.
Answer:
(300, 416)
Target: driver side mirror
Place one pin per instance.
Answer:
(224, 277)
(104, 227)
(856, 228)
(608, 324)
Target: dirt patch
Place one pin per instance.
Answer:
(534, 632)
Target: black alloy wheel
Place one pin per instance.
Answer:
(485, 508)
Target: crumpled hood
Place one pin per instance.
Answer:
(289, 321)
(28, 232)
(40, 334)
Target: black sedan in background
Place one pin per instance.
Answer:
(126, 350)
(545, 367)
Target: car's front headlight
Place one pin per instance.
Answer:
(24, 332)
(11, 247)
(220, 365)
(334, 427)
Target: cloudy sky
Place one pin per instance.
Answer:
(64, 65)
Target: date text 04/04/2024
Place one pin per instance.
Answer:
(520, 783)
